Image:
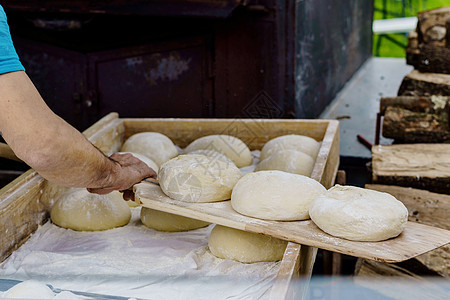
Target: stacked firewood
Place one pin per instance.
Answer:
(420, 113)
(416, 169)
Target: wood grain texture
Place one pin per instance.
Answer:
(425, 166)
(427, 208)
(415, 239)
(21, 212)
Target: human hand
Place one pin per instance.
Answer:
(128, 171)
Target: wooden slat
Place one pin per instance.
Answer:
(21, 212)
(254, 132)
(415, 239)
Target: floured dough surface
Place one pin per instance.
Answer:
(295, 142)
(195, 178)
(359, 214)
(154, 145)
(275, 195)
(29, 289)
(290, 161)
(230, 146)
(246, 247)
(81, 210)
(163, 221)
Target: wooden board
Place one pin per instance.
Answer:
(415, 240)
(427, 208)
(425, 166)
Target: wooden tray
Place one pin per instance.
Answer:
(416, 239)
(21, 213)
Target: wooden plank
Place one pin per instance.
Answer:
(254, 132)
(21, 212)
(415, 239)
(287, 274)
(427, 208)
(425, 166)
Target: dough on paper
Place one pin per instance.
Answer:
(29, 289)
(295, 142)
(359, 214)
(230, 146)
(275, 195)
(196, 178)
(154, 145)
(290, 161)
(246, 247)
(81, 210)
(150, 163)
(163, 221)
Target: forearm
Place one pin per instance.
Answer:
(44, 141)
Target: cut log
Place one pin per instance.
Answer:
(425, 84)
(423, 166)
(406, 126)
(427, 208)
(431, 26)
(433, 59)
(412, 49)
(426, 104)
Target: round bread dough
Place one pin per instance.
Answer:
(230, 146)
(81, 210)
(290, 161)
(212, 155)
(163, 221)
(150, 163)
(295, 142)
(246, 247)
(275, 195)
(154, 145)
(195, 178)
(29, 289)
(359, 214)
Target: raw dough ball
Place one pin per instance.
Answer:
(154, 145)
(246, 247)
(84, 211)
(295, 142)
(230, 146)
(275, 195)
(288, 161)
(359, 214)
(145, 159)
(213, 155)
(163, 221)
(29, 289)
(195, 178)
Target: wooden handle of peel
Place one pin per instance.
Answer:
(6, 152)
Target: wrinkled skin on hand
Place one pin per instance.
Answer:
(130, 170)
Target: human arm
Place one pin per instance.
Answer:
(56, 150)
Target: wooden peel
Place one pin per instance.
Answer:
(416, 239)
(6, 152)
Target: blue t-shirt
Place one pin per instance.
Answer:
(9, 60)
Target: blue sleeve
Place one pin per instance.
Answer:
(9, 60)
